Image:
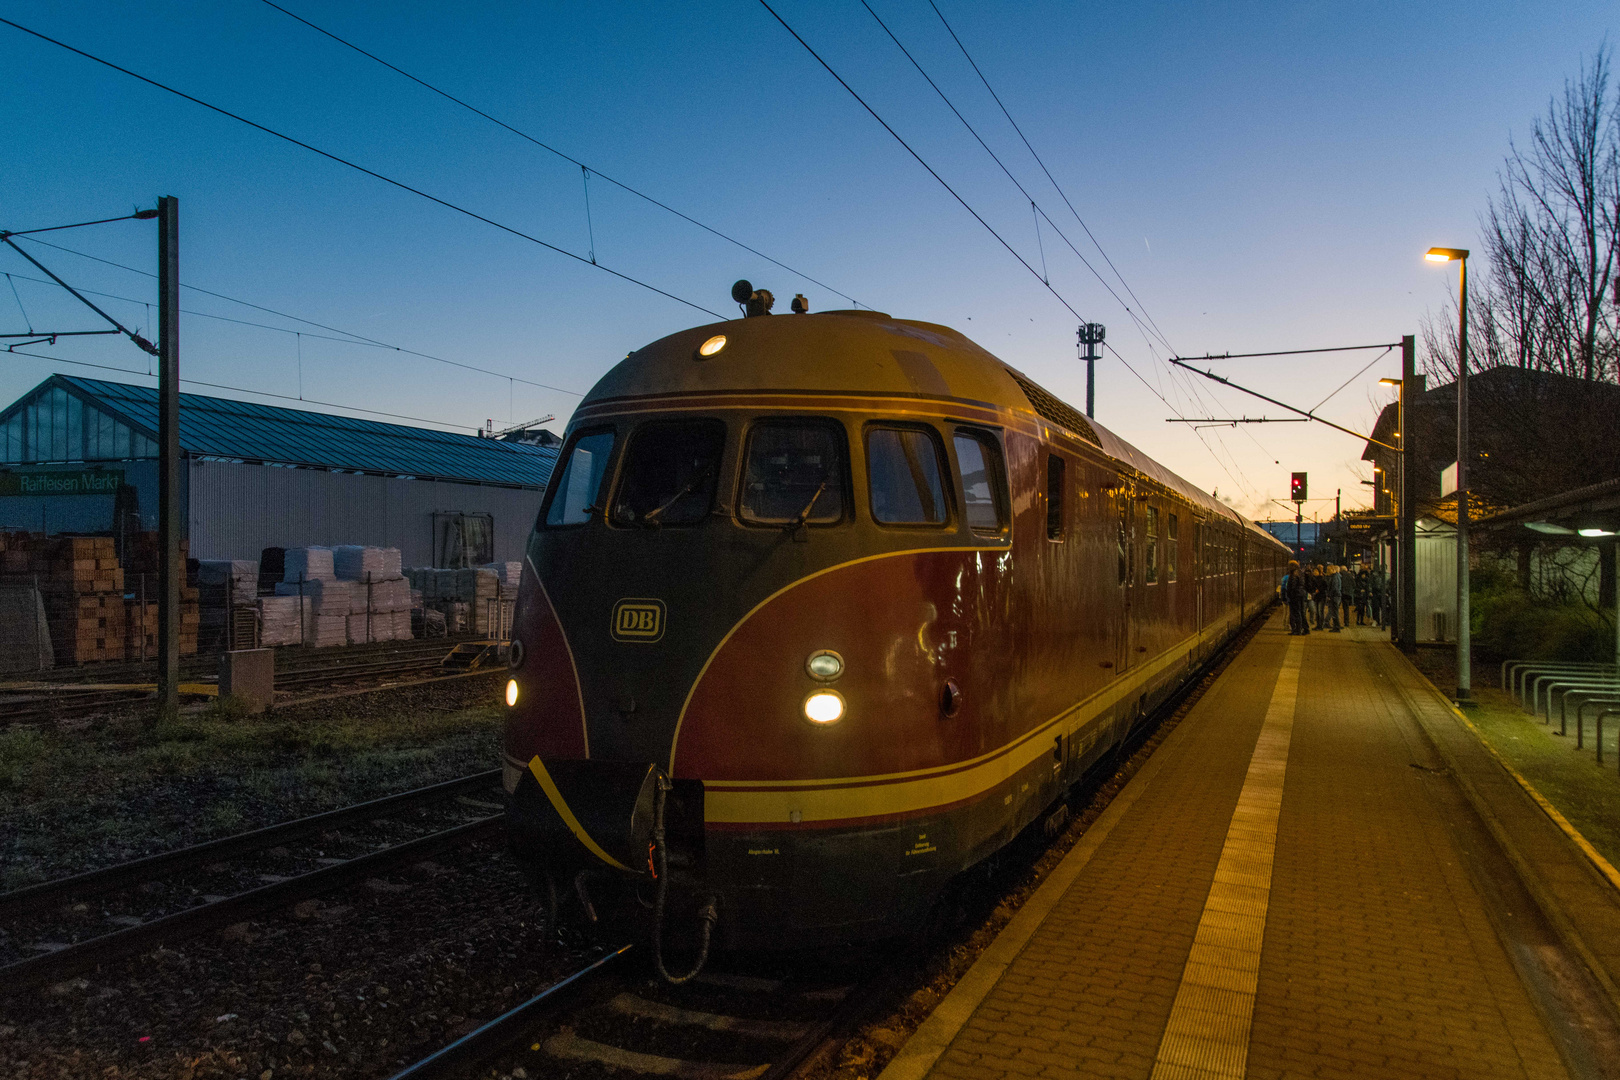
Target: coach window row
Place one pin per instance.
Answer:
(795, 472)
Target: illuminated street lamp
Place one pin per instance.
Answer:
(1460, 256)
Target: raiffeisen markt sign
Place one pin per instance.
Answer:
(61, 482)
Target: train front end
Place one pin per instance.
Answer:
(744, 658)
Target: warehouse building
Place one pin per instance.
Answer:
(80, 455)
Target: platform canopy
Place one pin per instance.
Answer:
(1588, 514)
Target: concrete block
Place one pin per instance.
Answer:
(249, 675)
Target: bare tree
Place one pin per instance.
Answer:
(1542, 298)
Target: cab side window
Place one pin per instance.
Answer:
(984, 498)
(904, 473)
(574, 488)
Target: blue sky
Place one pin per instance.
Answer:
(1263, 176)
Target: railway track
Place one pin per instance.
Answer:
(168, 897)
(298, 677)
(611, 1018)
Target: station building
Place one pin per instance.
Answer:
(80, 456)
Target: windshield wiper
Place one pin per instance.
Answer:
(651, 517)
(804, 515)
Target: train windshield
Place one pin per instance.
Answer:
(670, 473)
(573, 498)
(794, 474)
(903, 465)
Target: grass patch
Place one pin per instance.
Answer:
(1584, 792)
(72, 800)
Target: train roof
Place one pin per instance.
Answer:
(866, 352)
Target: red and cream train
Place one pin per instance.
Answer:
(863, 597)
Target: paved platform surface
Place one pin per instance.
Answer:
(1294, 885)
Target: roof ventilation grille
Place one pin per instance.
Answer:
(1056, 411)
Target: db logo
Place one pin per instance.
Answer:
(638, 620)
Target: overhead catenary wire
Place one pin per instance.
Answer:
(1034, 206)
(140, 342)
(138, 214)
(919, 158)
(1189, 384)
(29, 323)
(1055, 185)
(1213, 455)
(1352, 379)
(565, 156)
(400, 184)
(1142, 328)
(348, 336)
(976, 216)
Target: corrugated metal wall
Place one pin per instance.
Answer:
(237, 510)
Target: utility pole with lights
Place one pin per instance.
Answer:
(1091, 335)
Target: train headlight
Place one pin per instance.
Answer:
(511, 692)
(712, 346)
(824, 665)
(824, 707)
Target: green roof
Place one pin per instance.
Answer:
(243, 431)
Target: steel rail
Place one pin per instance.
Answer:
(93, 882)
(835, 1030)
(85, 955)
(356, 671)
(503, 1033)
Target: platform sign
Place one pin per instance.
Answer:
(1448, 479)
(61, 481)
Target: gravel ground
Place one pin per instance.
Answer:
(355, 984)
(78, 797)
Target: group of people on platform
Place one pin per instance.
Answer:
(1317, 594)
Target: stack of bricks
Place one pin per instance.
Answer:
(142, 560)
(83, 588)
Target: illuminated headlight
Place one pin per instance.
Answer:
(712, 346)
(825, 665)
(824, 707)
(511, 691)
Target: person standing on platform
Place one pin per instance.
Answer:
(1362, 584)
(1347, 591)
(1375, 589)
(1297, 593)
(1334, 587)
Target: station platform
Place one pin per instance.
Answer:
(1321, 872)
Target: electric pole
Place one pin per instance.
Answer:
(1091, 335)
(1406, 545)
(171, 571)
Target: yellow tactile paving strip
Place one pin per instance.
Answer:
(1208, 1032)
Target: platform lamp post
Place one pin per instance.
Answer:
(1464, 650)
